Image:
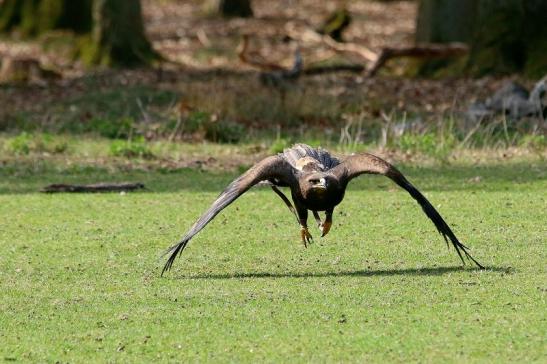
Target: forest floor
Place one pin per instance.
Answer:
(205, 92)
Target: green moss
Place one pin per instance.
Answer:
(9, 14)
(536, 62)
(28, 17)
(336, 23)
(49, 13)
(86, 50)
(34, 17)
(118, 36)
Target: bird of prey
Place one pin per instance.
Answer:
(317, 182)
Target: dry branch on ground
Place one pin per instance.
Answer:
(93, 188)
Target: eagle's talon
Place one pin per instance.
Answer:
(325, 228)
(307, 238)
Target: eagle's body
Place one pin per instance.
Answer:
(307, 163)
(317, 182)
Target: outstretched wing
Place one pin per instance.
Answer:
(358, 164)
(270, 168)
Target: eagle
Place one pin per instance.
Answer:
(317, 181)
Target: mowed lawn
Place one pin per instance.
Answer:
(80, 273)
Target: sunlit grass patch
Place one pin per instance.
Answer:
(79, 273)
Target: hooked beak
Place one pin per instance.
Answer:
(322, 185)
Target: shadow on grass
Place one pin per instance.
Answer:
(15, 179)
(434, 271)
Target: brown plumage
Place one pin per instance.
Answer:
(317, 182)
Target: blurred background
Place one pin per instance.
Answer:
(98, 79)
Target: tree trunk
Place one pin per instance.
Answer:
(445, 21)
(505, 36)
(118, 37)
(235, 8)
(33, 17)
(113, 29)
(510, 36)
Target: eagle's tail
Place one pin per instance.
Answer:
(432, 213)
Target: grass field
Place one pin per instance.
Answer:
(79, 274)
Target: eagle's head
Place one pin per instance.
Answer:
(318, 185)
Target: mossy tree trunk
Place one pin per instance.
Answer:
(443, 21)
(505, 36)
(510, 36)
(32, 17)
(118, 37)
(235, 8)
(112, 30)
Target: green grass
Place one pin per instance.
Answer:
(79, 273)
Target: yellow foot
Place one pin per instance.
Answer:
(306, 236)
(326, 227)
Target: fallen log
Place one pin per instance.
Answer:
(93, 188)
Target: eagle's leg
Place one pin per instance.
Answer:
(286, 200)
(303, 220)
(328, 222)
(317, 219)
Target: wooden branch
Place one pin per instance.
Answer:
(376, 62)
(97, 187)
(281, 72)
(242, 52)
(359, 50)
(307, 35)
(419, 51)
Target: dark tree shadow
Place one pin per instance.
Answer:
(433, 271)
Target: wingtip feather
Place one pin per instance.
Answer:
(175, 250)
(439, 222)
(459, 247)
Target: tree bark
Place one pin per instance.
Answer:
(235, 8)
(510, 36)
(33, 17)
(118, 37)
(113, 31)
(445, 21)
(505, 36)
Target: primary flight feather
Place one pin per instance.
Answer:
(317, 182)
